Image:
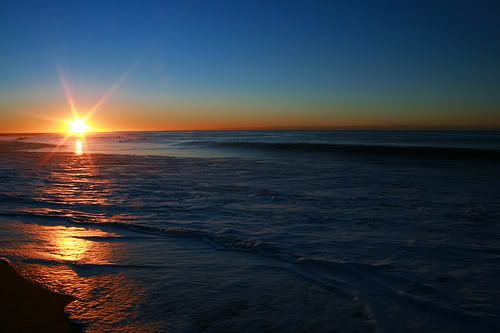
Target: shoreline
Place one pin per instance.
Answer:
(28, 307)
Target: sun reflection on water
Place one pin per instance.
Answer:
(79, 147)
(75, 181)
(82, 259)
(66, 243)
(68, 247)
(83, 267)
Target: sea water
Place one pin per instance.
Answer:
(278, 231)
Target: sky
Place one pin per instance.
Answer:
(198, 65)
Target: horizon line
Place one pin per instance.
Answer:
(283, 128)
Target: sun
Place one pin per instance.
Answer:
(78, 127)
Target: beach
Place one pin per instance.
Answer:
(255, 231)
(250, 166)
(28, 307)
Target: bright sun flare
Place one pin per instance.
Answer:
(78, 126)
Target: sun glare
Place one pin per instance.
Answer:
(78, 127)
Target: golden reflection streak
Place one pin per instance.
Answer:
(72, 244)
(66, 244)
(69, 248)
(79, 147)
(74, 180)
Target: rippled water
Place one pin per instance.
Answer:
(261, 231)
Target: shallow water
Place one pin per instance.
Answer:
(261, 231)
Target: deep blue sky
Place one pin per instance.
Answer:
(264, 63)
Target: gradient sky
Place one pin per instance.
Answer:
(250, 64)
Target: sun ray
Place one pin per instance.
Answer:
(109, 93)
(47, 118)
(78, 126)
(49, 155)
(67, 92)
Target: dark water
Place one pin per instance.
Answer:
(261, 231)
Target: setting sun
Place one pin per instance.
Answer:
(78, 126)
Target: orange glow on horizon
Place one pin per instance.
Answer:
(79, 126)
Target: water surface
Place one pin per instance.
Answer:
(260, 231)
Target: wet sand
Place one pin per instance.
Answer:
(27, 307)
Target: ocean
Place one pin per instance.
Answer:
(259, 231)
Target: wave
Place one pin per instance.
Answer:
(83, 266)
(384, 281)
(366, 283)
(7, 197)
(215, 238)
(12, 146)
(359, 149)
